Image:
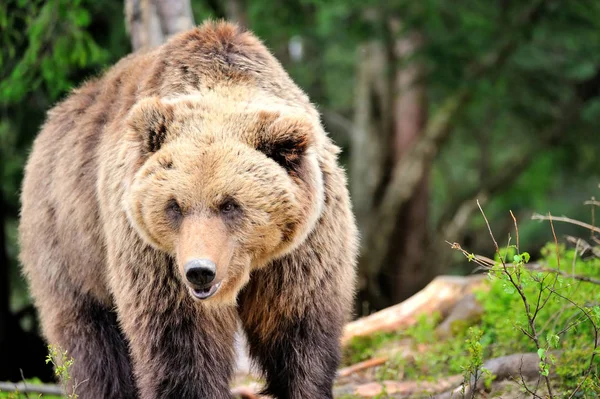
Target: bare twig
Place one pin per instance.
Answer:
(585, 246)
(594, 204)
(518, 286)
(558, 267)
(577, 277)
(24, 383)
(516, 230)
(564, 219)
(596, 334)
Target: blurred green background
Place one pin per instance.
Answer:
(435, 103)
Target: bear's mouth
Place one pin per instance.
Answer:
(206, 292)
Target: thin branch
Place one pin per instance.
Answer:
(577, 277)
(558, 264)
(516, 230)
(565, 219)
(596, 334)
(555, 242)
(24, 383)
(533, 331)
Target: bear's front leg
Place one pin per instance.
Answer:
(180, 348)
(293, 326)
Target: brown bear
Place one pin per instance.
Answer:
(189, 189)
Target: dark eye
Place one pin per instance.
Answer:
(173, 209)
(228, 207)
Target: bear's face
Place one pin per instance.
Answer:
(222, 193)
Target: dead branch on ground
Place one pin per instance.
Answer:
(438, 296)
(22, 387)
(361, 366)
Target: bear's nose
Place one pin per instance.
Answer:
(200, 272)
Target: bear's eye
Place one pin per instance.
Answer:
(173, 209)
(228, 207)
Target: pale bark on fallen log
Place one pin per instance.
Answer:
(44, 389)
(242, 392)
(467, 310)
(517, 366)
(441, 295)
(400, 388)
(367, 364)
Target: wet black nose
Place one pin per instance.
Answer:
(200, 272)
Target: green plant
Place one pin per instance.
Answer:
(473, 370)
(62, 363)
(549, 307)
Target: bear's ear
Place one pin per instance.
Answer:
(150, 119)
(286, 141)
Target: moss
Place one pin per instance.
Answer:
(561, 324)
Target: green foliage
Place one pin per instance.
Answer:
(20, 395)
(54, 43)
(566, 335)
(62, 363)
(363, 348)
(473, 369)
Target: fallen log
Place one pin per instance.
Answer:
(517, 366)
(441, 295)
(22, 387)
(367, 364)
(243, 392)
(467, 310)
(399, 388)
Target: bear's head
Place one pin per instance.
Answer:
(222, 187)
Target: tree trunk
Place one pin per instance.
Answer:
(405, 269)
(371, 154)
(236, 12)
(387, 128)
(151, 22)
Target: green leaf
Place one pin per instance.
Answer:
(509, 289)
(81, 17)
(541, 353)
(552, 339)
(517, 258)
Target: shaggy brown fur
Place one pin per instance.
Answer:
(201, 149)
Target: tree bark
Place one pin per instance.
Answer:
(151, 22)
(236, 11)
(405, 269)
(370, 149)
